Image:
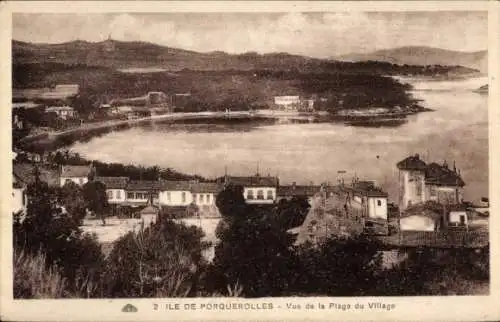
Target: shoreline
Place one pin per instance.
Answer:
(56, 139)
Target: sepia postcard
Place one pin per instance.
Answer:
(244, 160)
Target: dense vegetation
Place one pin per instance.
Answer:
(342, 86)
(255, 257)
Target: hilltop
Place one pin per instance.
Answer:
(421, 55)
(121, 55)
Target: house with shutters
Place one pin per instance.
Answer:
(257, 189)
(141, 192)
(115, 188)
(176, 193)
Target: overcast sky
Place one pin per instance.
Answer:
(312, 34)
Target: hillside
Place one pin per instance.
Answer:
(123, 55)
(423, 56)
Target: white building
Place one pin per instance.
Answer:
(287, 102)
(176, 193)
(205, 193)
(64, 112)
(115, 188)
(79, 174)
(366, 198)
(140, 192)
(257, 189)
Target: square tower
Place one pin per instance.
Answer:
(411, 181)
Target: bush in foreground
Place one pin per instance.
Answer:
(33, 280)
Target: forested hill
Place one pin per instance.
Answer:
(122, 55)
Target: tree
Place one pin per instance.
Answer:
(292, 213)
(253, 251)
(48, 230)
(96, 199)
(162, 260)
(339, 267)
(71, 196)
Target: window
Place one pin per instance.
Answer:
(250, 194)
(432, 191)
(419, 187)
(155, 195)
(201, 198)
(169, 197)
(24, 197)
(130, 195)
(260, 194)
(379, 202)
(141, 195)
(270, 194)
(183, 197)
(208, 199)
(110, 194)
(118, 194)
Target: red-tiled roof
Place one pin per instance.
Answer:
(113, 182)
(442, 176)
(412, 162)
(144, 185)
(207, 187)
(429, 209)
(177, 185)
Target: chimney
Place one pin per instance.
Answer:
(445, 164)
(454, 167)
(293, 185)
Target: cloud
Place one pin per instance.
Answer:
(313, 34)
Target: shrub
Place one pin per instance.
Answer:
(34, 280)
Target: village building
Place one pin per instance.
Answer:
(63, 112)
(420, 182)
(288, 192)
(205, 193)
(256, 189)
(344, 210)
(115, 188)
(465, 217)
(422, 217)
(142, 192)
(176, 193)
(291, 102)
(78, 174)
(129, 112)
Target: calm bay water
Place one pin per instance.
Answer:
(456, 131)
